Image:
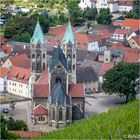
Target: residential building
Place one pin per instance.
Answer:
(105, 67)
(19, 60)
(134, 42)
(3, 79)
(18, 81)
(89, 78)
(113, 5)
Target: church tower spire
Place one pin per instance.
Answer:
(69, 46)
(38, 51)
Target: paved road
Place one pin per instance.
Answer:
(96, 104)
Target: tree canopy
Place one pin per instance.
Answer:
(104, 16)
(21, 28)
(122, 80)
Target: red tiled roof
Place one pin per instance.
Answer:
(20, 60)
(7, 48)
(132, 23)
(123, 32)
(3, 71)
(41, 90)
(104, 68)
(117, 23)
(120, 46)
(57, 30)
(27, 134)
(105, 33)
(76, 90)
(40, 110)
(126, 2)
(131, 57)
(19, 74)
(43, 79)
(136, 39)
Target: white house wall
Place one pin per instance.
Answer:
(18, 88)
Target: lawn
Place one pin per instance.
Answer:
(118, 123)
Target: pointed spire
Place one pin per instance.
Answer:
(69, 35)
(38, 34)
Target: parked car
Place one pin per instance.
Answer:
(5, 110)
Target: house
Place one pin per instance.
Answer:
(19, 60)
(134, 42)
(3, 79)
(19, 81)
(125, 5)
(7, 48)
(131, 57)
(135, 33)
(85, 3)
(113, 5)
(120, 34)
(104, 68)
(88, 77)
(130, 24)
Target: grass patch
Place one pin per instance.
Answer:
(115, 124)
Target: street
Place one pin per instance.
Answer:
(96, 103)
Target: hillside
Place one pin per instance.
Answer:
(117, 123)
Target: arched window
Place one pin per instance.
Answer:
(43, 55)
(73, 67)
(43, 66)
(53, 114)
(60, 114)
(33, 66)
(33, 55)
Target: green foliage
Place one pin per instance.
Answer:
(90, 13)
(104, 16)
(12, 104)
(135, 13)
(8, 2)
(75, 13)
(21, 28)
(122, 80)
(4, 129)
(116, 124)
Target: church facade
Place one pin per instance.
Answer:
(57, 99)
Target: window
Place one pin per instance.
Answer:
(43, 66)
(33, 66)
(33, 55)
(68, 113)
(60, 114)
(106, 59)
(73, 67)
(43, 55)
(53, 114)
(73, 55)
(41, 118)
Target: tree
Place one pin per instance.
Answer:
(12, 104)
(104, 16)
(75, 13)
(90, 13)
(4, 130)
(122, 80)
(24, 37)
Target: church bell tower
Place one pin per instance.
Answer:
(69, 46)
(38, 50)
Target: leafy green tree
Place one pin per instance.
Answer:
(104, 16)
(21, 28)
(136, 8)
(75, 13)
(4, 129)
(130, 15)
(24, 37)
(7, 2)
(12, 104)
(90, 13)
(122, 80)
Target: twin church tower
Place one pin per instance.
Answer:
(63, 99)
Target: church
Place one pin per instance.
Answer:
(57, 99)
